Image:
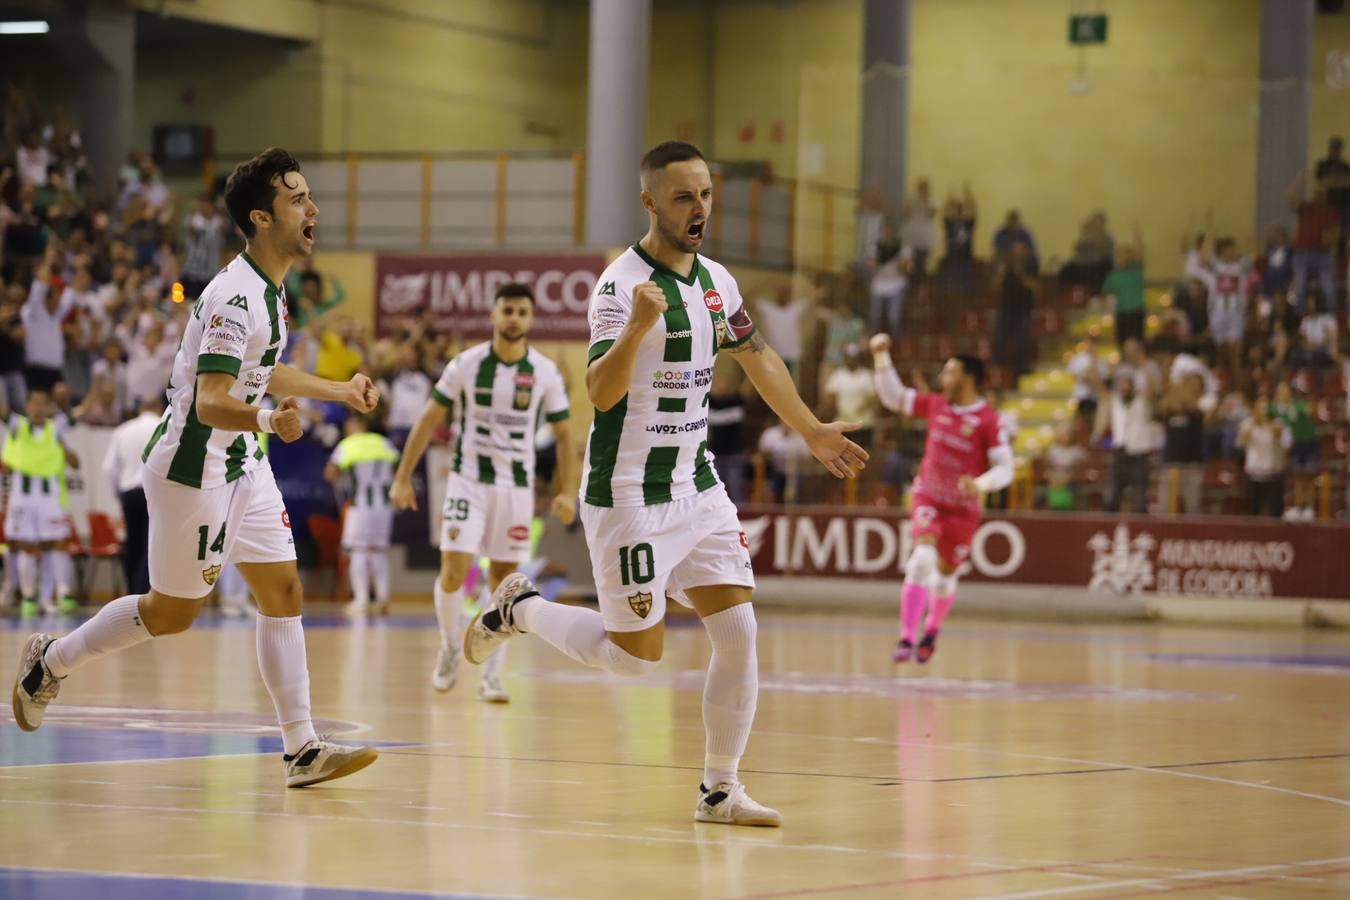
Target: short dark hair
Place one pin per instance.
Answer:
(250, 185)
(669, 152)
(1223, 244)
(972, 366)
(514, 290)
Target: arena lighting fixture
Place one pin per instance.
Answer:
(30, 27)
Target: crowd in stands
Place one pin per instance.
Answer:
(1235, 368)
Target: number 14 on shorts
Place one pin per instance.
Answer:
(203, 535)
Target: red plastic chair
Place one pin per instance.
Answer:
(327, 534)
(104, 546)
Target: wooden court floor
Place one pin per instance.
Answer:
(1024, 761)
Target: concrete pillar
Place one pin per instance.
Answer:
(885, 98)
(1282, 130)
(616, 120)
(100, 49)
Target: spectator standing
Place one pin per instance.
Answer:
(1226, 276)
(851, 393)
(1264, 441)
(1014, 348)
(408, 391)
(1305, 445)
(1133, 437)
(1093, 254)
(890, 283)
(956, 271)
(1063, 461)
(44, 346)
(1183, 458)
(1013, 232)
(1318, 347)
(204, 232)
(12, 386)
(1087, 366)
(1277, 276)
(1319, 225)
(780, 321)
(918, 227)
(783, 452)
(1124, 285)
(1333, 174)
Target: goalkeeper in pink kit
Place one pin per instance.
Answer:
(965, 456)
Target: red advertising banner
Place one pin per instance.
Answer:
(458, 291)
(1117, 554)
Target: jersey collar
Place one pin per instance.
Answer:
(661, 267)
(257, 268)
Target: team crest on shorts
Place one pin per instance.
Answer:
(454, 532)
(210, 574)
(640, 603)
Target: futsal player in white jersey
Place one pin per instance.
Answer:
(657, 518)
(209, 488)
(500, 388)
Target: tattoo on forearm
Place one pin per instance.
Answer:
(756, 344)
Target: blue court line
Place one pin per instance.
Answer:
(47, 884)
(1311, 661)
(66, 744)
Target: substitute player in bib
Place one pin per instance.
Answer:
(500, 388)
(36, 523)
(965, 456)
(367, 460)
(657, 518)
(209, 488)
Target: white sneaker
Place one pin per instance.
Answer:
(35, 686)
(490, 690)
(729, 804)
(495, 625)
(322, 760)
(447, 666)
(380, 608)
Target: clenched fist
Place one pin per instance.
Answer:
(286, 420)
(649, 304)
(361, 394)
(879, 344)
(402, 495)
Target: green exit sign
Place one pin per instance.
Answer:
(1087, 29)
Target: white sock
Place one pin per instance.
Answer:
(47, 578)
(449, 611)
(730, 693)
(578, 632)
(28, 574)
(116, 626)
(492, 667)
(359, 575)
(378, 561)
(64, 571)
(285, 670)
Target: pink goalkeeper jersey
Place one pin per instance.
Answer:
(959, 441)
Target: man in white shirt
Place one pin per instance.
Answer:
(784, 453)
(852, 393)
(1081, 366)
(44, 345)
(1133, 438)
(781, 323)
(122, 467)
(149, 364)
(408, 393)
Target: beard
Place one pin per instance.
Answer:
(511, 336)
(678, 239)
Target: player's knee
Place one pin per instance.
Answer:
(454, 569)
(163, 615)
(945, 584)
(922, 566)
(620, 662)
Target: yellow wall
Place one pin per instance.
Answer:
(1166, 127)
(1329, 112)
(292, 19)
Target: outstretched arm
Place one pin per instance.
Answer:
(765, 368)
(359, 393)
(891, 391)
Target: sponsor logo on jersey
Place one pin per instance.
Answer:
(686, 428)
(238, 301)
(640, 603)
(518, 532)
(524, 379)
(606, 290)
(712, 300)
(680, 334)
(210, 574)
(256, 378)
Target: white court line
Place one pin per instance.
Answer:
(1164, 879)
(1095, 763)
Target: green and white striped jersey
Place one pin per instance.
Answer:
(369, 460)
(238, 326)
(652, 446)
(499, 405)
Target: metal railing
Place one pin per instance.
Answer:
(518, 200)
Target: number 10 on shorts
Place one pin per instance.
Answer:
(636, 564)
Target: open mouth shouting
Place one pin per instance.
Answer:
(694, 233)
(307, 234)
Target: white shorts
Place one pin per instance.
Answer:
(367, 527)
(195, 532)
(642, 555)
(35, 519)
(486, 520)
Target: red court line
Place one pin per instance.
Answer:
(1205, 884)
